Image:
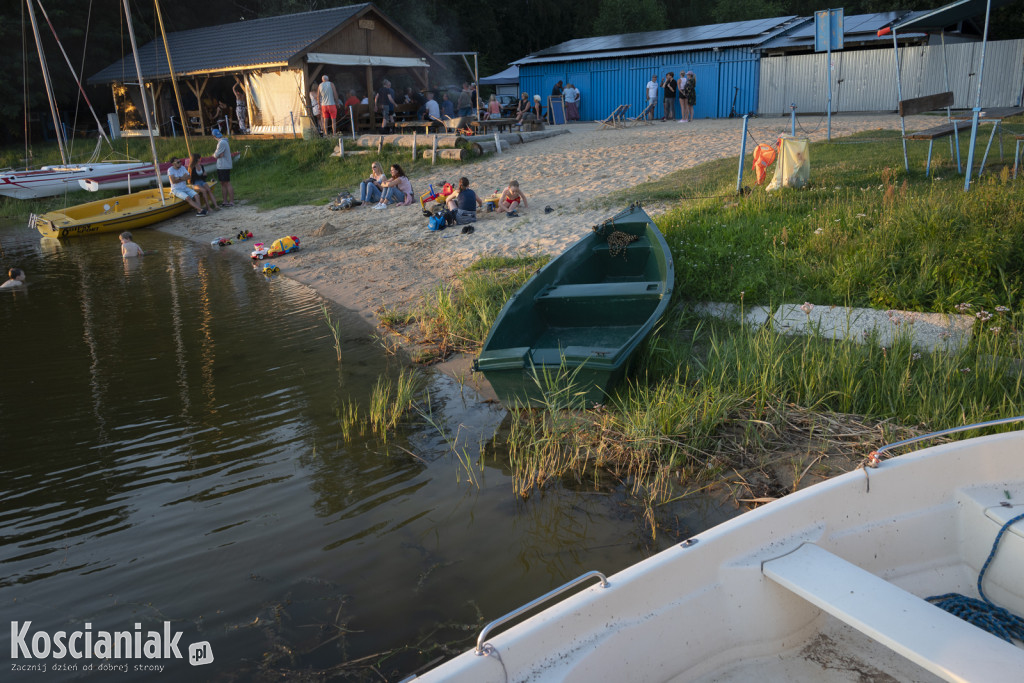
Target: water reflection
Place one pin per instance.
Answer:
(172, 450)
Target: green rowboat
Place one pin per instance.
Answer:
(571, 331)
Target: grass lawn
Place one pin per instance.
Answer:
(269, 174)
(712, 398)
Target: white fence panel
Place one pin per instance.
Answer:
(865, 80)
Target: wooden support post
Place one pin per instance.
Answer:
(414, 145)
(380, 144)
(433, 153)
(497, 144)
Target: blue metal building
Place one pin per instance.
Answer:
(613, 70)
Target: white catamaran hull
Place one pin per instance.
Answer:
(50, 181)
(825, 584)
(136, 179)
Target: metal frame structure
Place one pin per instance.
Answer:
(938, 20)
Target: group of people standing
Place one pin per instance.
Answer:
(570, 95)
(684, 89)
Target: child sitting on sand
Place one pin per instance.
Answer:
(511, 198)
(17, 279)
(129, 249)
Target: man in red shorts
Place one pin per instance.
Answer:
(329, 104)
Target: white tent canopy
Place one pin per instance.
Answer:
(365, 60)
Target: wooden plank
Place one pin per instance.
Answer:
(910, 626)
(920, 105)
(936, 132)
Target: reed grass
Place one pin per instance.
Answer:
(335, 328)
(391, 399)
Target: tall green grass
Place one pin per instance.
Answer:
(891, 240)
(456, 316)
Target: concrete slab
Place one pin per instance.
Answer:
(927, 331)
(755, 315)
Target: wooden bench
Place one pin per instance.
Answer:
(642, 290)
(408, 126)
(922, 105)
(995, 116)
(499, 123)
(932, 638)
(586, 305)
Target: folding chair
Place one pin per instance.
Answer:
(640, 119)
(615, 119)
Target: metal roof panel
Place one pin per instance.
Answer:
(228, 47)
(732, 34)
(937, 19)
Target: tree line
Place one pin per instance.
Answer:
(94, 34)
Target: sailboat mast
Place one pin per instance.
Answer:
(174, 80)
(145, 100)
(67, 61)
(49, 88)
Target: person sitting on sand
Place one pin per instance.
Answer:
(511, 198)
(129, 248)
(464, 203)
(197, 179)
(370, 189)
(17, 279)
(178, 177)
(397, 189)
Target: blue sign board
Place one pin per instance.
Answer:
(828, 30)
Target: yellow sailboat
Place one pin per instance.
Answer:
(125, 212)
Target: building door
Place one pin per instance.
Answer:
(707, 91)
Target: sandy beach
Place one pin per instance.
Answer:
(364, 259)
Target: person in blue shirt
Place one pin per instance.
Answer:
(464, 203)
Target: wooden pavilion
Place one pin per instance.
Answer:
(276, 60)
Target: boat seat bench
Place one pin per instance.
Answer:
(641, 290)
(911, 626)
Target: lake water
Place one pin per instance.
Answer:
(170, 451)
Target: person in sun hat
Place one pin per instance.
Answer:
(223, 154)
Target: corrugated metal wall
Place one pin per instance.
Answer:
(865, 80)
(606, 83)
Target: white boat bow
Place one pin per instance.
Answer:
(826, 584)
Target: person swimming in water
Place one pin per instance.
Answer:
(129, 248)
(17, 279)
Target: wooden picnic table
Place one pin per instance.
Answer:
(995, 116)
(501, 124)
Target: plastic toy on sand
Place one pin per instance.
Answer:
(270, 270)
(285, 245)
(220, 242)
(243, 235)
